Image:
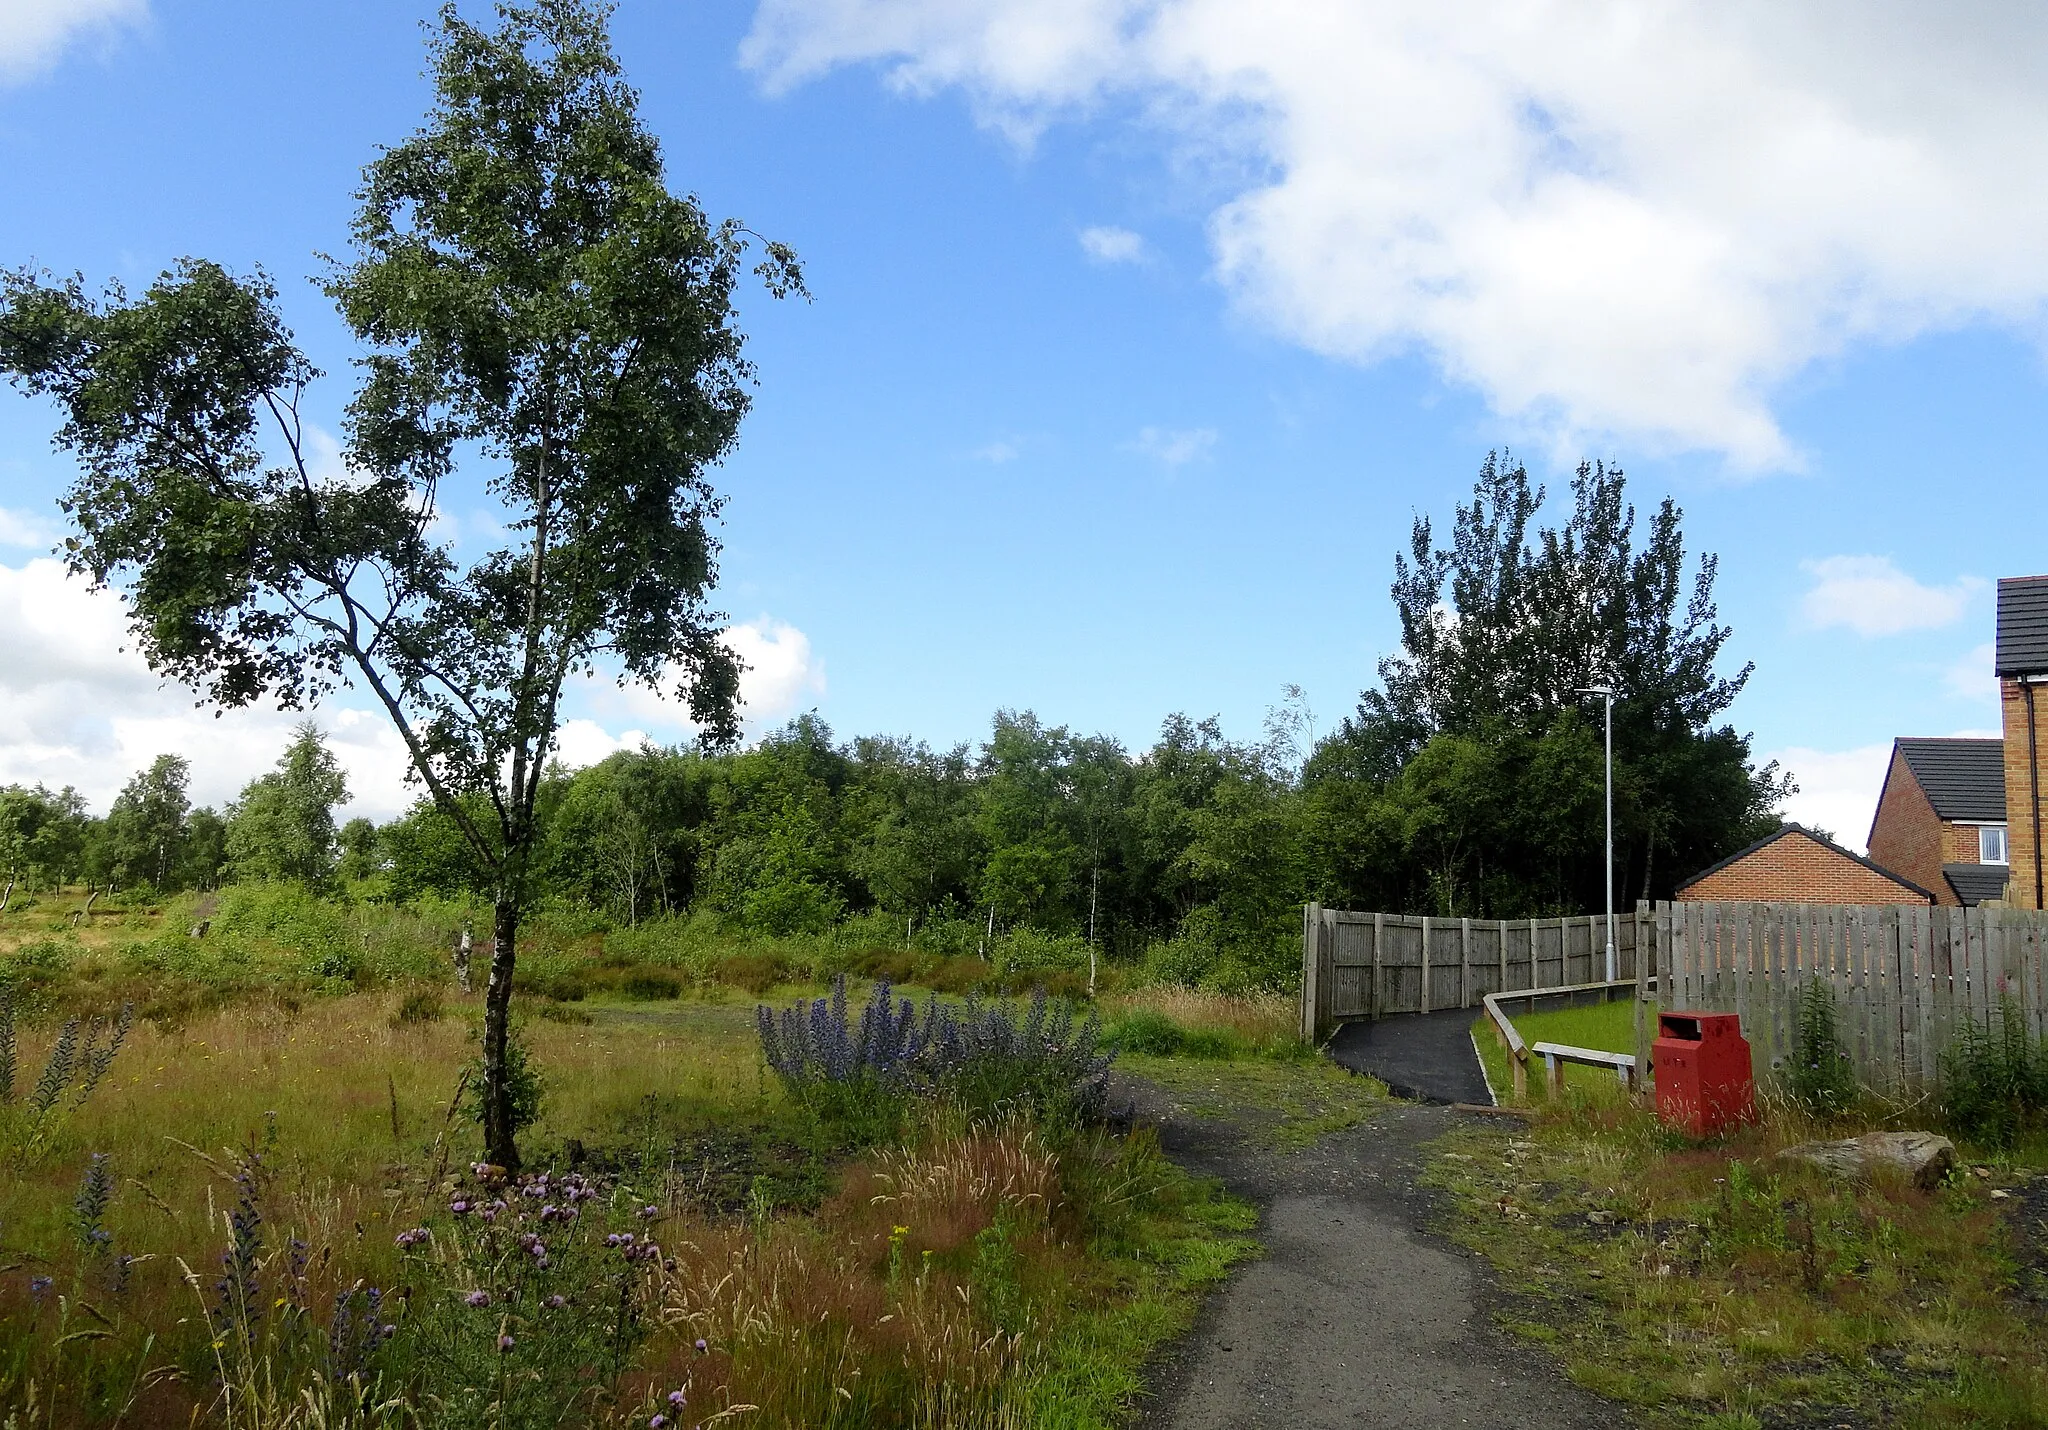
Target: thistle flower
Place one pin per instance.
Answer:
(505, 1343)
(477, 1298)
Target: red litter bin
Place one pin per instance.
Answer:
(1704, 1082)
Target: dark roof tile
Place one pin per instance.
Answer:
(1963, 779)
(2023, 626)
(1974, 883)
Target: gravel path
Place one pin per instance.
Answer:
(1358, 1315)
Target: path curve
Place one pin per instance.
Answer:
(1426, 1056)
(1358, 1315)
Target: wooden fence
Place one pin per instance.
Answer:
(1357, 965)
(1905, 977)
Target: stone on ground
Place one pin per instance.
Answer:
(1923, 1157)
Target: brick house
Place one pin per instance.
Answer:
(2022, 666)
(1796, 865)
(1941, 819)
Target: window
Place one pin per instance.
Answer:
(1991, 844)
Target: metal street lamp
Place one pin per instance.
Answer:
(1605, 691)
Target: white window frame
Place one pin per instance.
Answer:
(2004, 848)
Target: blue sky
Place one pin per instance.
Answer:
(1142, 331)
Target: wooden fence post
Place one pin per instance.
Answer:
(1311, 1008)
(1464, 963)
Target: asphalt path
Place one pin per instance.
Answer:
(1359, 1315)
(1425, 1056)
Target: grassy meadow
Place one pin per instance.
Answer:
(278, 1155)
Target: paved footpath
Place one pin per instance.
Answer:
(1358, 1315)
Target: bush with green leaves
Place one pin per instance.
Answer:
(525, 1088)
(1821, 1078)
(1995, 1077)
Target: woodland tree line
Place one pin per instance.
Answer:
(1466, 781)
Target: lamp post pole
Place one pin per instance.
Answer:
(1606, 693)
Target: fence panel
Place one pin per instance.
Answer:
(1906, 978)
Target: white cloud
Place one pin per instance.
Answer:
(1970, 678)
(1838, 789)
(26, 528)
(1003, 449)
(34, 32)
(1175, 447)
(1112, 245)
(783, 677)
(76, 708)
(1613, 220)
(1872, 597)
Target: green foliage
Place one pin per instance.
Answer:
(421, 1006)
(282, 828)
(1821, 1079)
(1469, 781)
(525, 1088)
(145, 833)
(1995, 1077)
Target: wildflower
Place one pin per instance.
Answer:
(504, 1344)
(39, 1286)
(657, 1423)
(554, 1303)
(412, 1238)
(477, 1298)
(647, 1213)
(701, 1346)
(387, 1331)
(677, 1399)
(459, 1206)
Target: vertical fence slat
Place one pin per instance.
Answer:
(1425, 963)
(1379, 964)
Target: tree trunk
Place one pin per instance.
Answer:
(500, 1136)
(8, 897)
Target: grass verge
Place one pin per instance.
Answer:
(1716, 1285)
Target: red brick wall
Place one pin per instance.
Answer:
(1795, 868)
(2019, 789)
(1907, 836)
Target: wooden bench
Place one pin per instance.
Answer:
(1556, 1055)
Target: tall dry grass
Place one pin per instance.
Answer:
(1260, 1023)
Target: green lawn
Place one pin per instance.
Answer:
(1607, 1027)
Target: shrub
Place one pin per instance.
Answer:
(649, 986)
(422, 1005)
(1821, 1078)
(1147, 1033)
(754, 972)
(523, 1084)
(1994, 1077)
(1028, 949)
